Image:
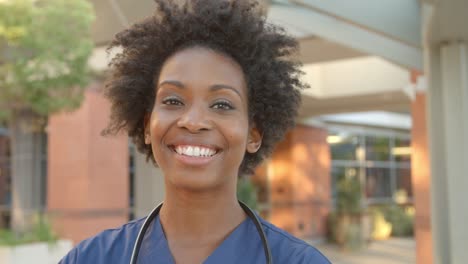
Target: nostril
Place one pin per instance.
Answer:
(194, 125)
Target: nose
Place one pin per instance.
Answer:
(195, 119)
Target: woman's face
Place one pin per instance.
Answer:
(199, 128)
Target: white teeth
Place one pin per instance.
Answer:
(189, 151)
(195, 151)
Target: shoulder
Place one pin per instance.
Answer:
(110, 246)
(286, 248)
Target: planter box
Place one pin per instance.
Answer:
(39, 253)
(351, 231)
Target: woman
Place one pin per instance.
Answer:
(205, 90)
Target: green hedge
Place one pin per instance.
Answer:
(400, 217)
(40, 232)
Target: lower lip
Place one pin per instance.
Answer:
(194, 161)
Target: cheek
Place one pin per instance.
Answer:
(158, 128)
(157, 133)
(237, 134)
(155, 125)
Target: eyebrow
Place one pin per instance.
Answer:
(174, 83)
(214, 87)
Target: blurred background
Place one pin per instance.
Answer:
(374, 172)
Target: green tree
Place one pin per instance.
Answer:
(44, 50)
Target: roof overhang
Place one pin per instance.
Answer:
(335, 32)
(357, 84)
(389, 29)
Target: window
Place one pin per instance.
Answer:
(37, 198)
(377, 148)
(402, 150)
(378, 183)
(381, 159)
(342, 171)
(403, 181)
(343, 147)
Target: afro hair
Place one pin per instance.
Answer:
(234, 28)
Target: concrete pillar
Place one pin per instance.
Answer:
(421, 180)
(448, 131)
(148, 186)
(88, 179)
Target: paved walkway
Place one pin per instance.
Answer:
(392, 251)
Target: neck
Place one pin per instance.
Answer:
(188, 215)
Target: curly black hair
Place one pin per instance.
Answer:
(234, 28)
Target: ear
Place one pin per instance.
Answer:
(146, 125)
(255, 140)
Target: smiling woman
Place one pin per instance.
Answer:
(201, 105)
(205, 90)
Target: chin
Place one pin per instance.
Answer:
(196, 183)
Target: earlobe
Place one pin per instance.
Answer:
(146, 130)
(253, 147)
(255, 140)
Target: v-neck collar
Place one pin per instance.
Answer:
(155, 247)
(241, 246)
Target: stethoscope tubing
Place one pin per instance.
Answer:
(155, 212)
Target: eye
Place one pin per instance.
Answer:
(172, 101)
(222, 105)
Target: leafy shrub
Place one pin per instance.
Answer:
(381, 229)
(247, 193)
(344, 225)
(400, 218)
(348, 195)
(8, 238)
(40, 232)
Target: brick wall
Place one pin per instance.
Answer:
(88, 188)
(300, 182)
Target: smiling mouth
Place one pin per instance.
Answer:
(194, 151)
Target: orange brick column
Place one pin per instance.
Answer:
(300, 184)
(421, 181)
(88, 188)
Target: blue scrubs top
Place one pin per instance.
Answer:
(243, 245)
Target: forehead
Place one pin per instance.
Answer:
(202, 66)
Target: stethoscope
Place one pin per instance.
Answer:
(155, 212)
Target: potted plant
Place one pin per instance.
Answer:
(349, 225)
